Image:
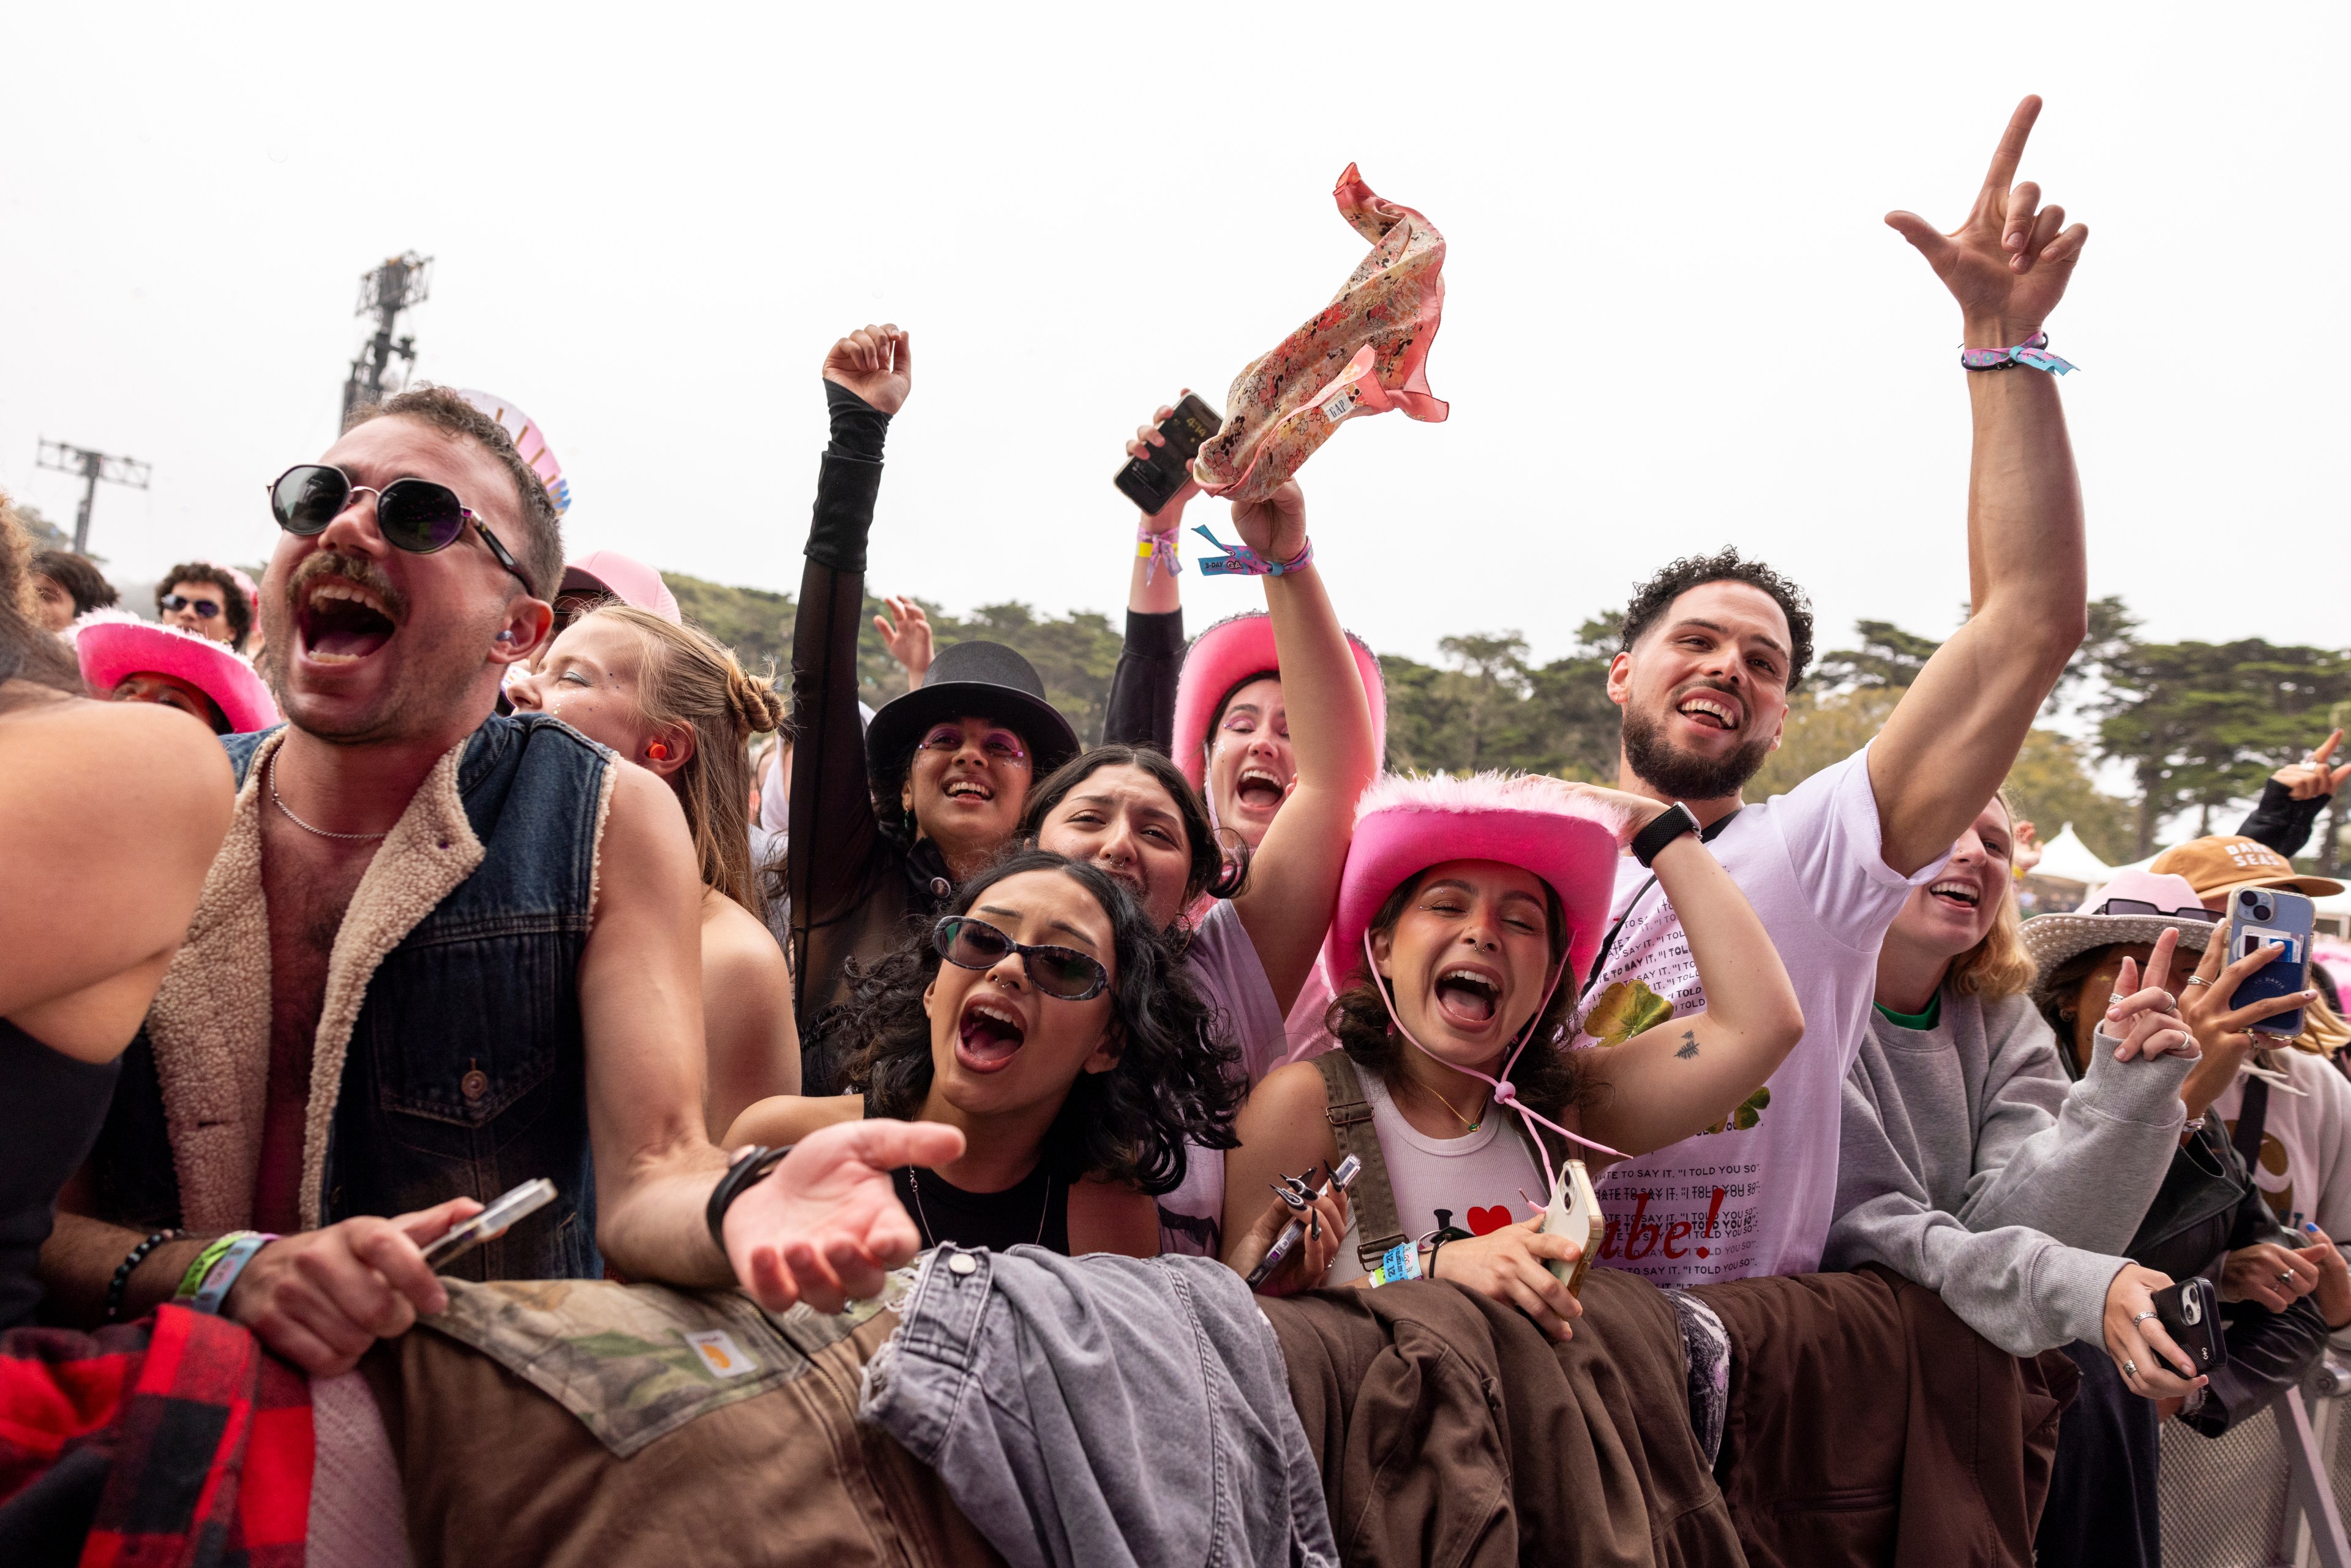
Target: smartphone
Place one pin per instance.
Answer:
(1574, 1213)
(2189, 1312)
(1152, 480)
(491, 1223)
(2257, 917)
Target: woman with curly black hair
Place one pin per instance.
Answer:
(1050, 1020)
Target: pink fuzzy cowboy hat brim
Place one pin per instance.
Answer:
(1404, 824)
(113, 643)
(1230, 653)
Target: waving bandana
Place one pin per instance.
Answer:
(1361, 353)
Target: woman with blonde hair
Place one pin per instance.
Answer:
(671, 700)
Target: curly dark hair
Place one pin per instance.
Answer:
(1652, 599)
(1546, 1076)
(1178, 1079)
(234, 604)
(1220, 870)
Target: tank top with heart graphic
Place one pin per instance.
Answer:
(1476, 1177)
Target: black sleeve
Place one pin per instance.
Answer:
(2269, 1352)
(832, 815)
(1142, 709)
(2281, 821)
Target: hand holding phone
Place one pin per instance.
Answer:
(491, 1223)
(2259, 916)
(2189, 1312)
(1157, 471)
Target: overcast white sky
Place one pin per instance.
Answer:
(1674, 318)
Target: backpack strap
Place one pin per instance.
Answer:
(1377, 1227)
(2252, 1119)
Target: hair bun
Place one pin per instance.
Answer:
(753, 697)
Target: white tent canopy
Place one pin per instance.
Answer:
(2067, 858)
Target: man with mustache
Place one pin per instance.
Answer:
(442, 953)
(1710, 649)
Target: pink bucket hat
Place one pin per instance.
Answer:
(632, 579)
(1405, 824)
(113, 643)
(1235, 650)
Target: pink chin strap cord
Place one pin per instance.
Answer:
(1505, 1092)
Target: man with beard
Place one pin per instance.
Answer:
(441, 953)
(1710, 649)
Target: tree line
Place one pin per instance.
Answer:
(2197, 727)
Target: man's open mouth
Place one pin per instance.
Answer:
(1956, 895)
(1708, 711)
(339, 622)
(1258, 789)
(988, 1035)
(1467, 996)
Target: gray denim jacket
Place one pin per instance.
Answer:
(1102, 1411)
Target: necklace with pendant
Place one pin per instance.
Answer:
(914, 1184)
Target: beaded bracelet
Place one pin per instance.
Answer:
(1239, 560)
(2034, 351)
(129, 1266)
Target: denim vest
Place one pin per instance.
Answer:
(466, 1074)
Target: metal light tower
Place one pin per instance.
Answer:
(92, 466)
(401, 281)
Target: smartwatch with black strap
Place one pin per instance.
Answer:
(1664, 828)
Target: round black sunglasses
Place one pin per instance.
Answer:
(414, 515)
(1061, 972)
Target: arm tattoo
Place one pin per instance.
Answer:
(1689, 1045)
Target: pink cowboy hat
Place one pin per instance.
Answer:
(1405, 824)
(530, 444)
(632, 579)
(1238, 650)
(113, 643)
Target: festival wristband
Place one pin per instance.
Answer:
(1399, 1262)
(1159, 549)
(2034, 351)
(743, 1172)
(209, 1279)
(1239, 560)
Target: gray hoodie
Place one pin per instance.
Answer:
(1972, 1163)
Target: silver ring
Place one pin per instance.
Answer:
(2131, 1369)
(2113, 998)
(2171, 1002)
(2198, 980)
(2287, 1277)
(2141, 1318)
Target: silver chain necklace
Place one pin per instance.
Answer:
(914, 1184)
(279, 801)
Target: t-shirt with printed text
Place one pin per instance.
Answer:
(1755, 1195)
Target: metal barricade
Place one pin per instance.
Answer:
(2271, 1493)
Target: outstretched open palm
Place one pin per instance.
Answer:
(2009, 261)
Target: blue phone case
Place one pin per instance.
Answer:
(2260, 915)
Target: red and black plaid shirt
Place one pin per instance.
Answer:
(177, 1440)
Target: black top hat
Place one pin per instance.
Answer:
(969, 680)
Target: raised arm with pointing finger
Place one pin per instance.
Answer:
(1951, 740)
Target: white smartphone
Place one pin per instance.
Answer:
(1574, 1213)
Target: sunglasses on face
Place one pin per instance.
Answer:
(1061, 972)
(414, 515)
(205, 609)
(2140, 906)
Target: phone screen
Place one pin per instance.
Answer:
(1152, 480)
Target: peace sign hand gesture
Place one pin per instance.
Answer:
(2009, 261)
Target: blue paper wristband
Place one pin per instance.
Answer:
(222, 1275)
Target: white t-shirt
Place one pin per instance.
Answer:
(1481, 1181)
(1757, 1198)
(2305, 1170)
(1223, 963)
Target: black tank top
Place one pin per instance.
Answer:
(55, 1106)
(1033, 1211)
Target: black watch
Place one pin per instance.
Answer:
(752, 1166)
(1666, 827)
